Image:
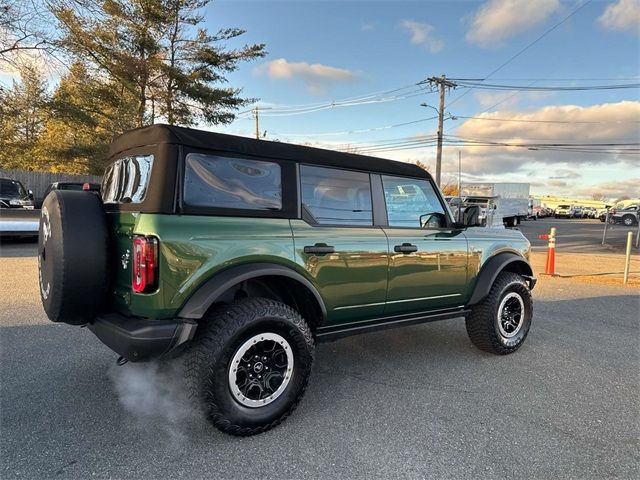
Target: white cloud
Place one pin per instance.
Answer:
(497, 20)
(367, 26)
(315, 76)
(618, 123)
(622, 15)
(422, 34)
(629, 187)
(509, 98)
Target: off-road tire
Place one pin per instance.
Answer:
(482, 322)
(207, 362)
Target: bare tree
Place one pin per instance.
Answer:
(22, 29)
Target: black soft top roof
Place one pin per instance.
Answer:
(169, 134)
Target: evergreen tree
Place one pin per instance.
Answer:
(156, 51)
(23, 112)
(85, 115)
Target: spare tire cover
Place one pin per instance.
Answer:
(72, 256)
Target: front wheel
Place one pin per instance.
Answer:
(249, 365)
(500, 323)
(628, 220)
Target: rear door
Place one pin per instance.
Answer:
(337, 244)
(428, 258)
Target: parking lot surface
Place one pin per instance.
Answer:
(416, 402)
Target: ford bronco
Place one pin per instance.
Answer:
(234, 256)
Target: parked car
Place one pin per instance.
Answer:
(563, 211)
(77, 186)
(14, 195)
(576, 212)
(92, 187)
(601, 213)
(234, 256)
(627, 216)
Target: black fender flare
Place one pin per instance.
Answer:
(209, 291)
(492, 268)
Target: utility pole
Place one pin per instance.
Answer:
(255, 114)
(443, 84)
(459, 185)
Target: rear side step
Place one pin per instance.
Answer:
(139, 339)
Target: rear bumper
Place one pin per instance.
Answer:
(140, 339)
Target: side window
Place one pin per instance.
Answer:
(127, 179)
(226, 182)
(336, 197)
(407, 199)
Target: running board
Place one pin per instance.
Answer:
(335, 332)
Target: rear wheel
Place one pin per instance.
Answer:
(628, 220)
(500, 323)
(249, 365)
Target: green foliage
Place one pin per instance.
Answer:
(132, 63)
(23, 111)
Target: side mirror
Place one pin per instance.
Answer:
(432, 220)
(30, 194)
(471, 216)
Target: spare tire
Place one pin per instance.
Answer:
(73, 248)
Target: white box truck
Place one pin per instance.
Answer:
(511, 200)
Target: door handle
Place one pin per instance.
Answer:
(319, 249)
(405, 248)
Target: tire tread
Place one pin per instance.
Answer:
(217, 328)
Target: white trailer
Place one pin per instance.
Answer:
(511, 199)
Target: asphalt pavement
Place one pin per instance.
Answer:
(417, 402)
(577, 235)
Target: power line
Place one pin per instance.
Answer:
(492, 119)
(348, 132)
(555, 88)
(618, 79)
(375, 97)
(527, 47)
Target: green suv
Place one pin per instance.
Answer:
(235, 256)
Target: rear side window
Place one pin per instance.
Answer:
(127, 179)
(336, 197)
(407, 199)
(235, 183)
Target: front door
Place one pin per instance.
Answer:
(427, 259)
(337, 244)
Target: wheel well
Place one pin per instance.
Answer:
(502, 262)
(520, 268)
(282, 289)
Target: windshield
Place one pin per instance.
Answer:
(12, 188)
(564, 206)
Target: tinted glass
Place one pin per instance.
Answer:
(70, 186)
(12, 188)
(225, 182)
(336, 197)
(127, 179)
(407, 199)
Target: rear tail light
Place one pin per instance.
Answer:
(86, 186)
(145, 264)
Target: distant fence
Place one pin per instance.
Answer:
(39, 181)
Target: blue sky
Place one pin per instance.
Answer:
(323, 51)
